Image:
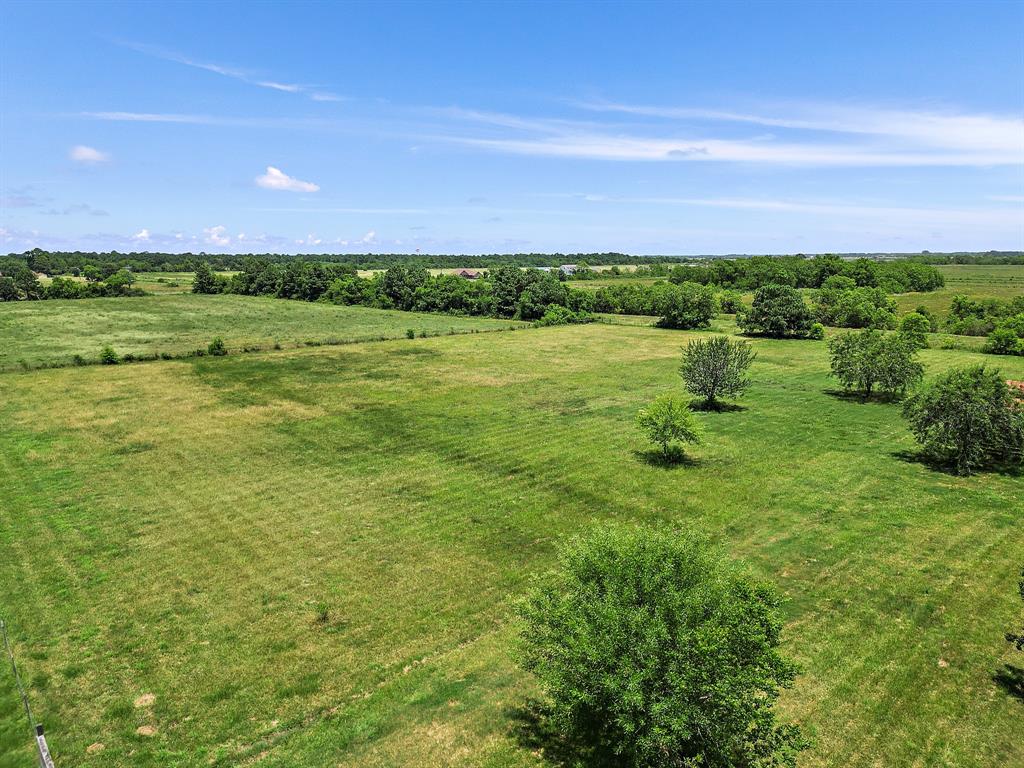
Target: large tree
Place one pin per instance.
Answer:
(652, 649)
(715, 367)
(969, 419)
(871, 360)
(777, 310)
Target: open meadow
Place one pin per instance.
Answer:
(34, 333)
(308, 556)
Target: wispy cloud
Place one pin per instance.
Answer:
(316, 93)
(88, 155)
(275, 178)
(198, 119)
(813, 136)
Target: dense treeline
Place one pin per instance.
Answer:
(752, 273)
(506, 291)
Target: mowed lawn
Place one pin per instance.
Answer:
(36, 333)
(307, 557)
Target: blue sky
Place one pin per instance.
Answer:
(684, 128)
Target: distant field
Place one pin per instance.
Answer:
(306, 557)
(165, 282)
(976, 281)
(47, 332)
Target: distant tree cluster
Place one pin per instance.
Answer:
(899, 276)
(22, 284)
(1001, 321)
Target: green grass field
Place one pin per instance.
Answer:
(306, 557)
(36, 333)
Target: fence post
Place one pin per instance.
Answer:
(44, 751)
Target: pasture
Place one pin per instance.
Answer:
(34, 333)
(307, 557)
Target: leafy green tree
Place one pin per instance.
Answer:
(731, 302)
(687, 305)
(108, 356)
(715, 367)
(915, 329)
(668, 422)
(8, 289)
(778, 311)
(933, 320)
(653, 650)
(205, 281)
(969, 419)
(870, 359)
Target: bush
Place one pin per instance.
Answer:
(108, 356)
(653, 649)
(216, 348)
(667, 422)
(716, 366)
(869, 359)
(558, 315)
(840, 303)
(1003, 341)
(914, 328)
(731, 302)
(205, 281)
(410, 333)
(816, 332)
(968, 418)
(778, 311)
(933, 321)
(687, 305)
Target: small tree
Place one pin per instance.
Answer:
(777, 310)
(653, 649)
(969, 419)
(205, 281)
(716, 366)
(216, 348)
(108, 356)
(914, 328)
(869, 359)
(668, 422)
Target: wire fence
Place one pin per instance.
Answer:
(45, 760)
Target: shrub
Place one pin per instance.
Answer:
(816, 332)
(667, 422)
(216, 348)
(914, 328)
(108, 356)
(653, 649)
(840, 303)
(716, 366)
(933, 321)
(410, 333)
(968, 418)
(777, 310)
(559, 315)
(1003, 341)
(205, 281)
(869, 359)
(731, 302)
(687, 305)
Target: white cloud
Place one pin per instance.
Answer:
(88, 155)
(142, 235)
(216, 235)
(368, 238)
(275, 178)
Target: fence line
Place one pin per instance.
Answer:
(45, 760)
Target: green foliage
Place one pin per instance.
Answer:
(968, 418)
(217, 348)
(731, 302)
(651, 647)
(1003, 341)
(933, 321)
(979, 317)
(915, 328)
(108, 356)
(667, 422)
(205, 281)
(558, 315)
(687, 305)
(871, 360)
(778, 311)
(842, 304)
(816, 332)
(715, 367)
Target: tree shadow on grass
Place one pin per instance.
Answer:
(533, 730)
(852, 396)
(1011, 679)
(671, 460)
(716, 407)
(947, 468)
